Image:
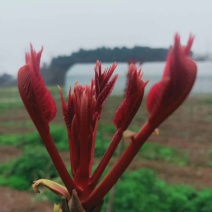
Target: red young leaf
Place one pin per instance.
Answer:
(68, 109)
(41, 107)
(82, 131)
(103, 84)
(36, 97)
(133, 98)
(177, 81)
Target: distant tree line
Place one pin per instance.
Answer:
(55, 72)
(7, 80)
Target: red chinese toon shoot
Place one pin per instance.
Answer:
(83, 110)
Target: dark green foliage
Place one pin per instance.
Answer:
(14, 182)
(34, 164)
(55, 72)
(101, 145)
(142, 191)
(204, 201)
(152, 151)
(58, 133)
(119, 54)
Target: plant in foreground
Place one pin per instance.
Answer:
(83, 191)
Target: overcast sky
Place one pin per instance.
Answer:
(65, 26)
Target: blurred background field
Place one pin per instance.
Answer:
(172, 172)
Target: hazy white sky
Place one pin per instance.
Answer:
(65, 26)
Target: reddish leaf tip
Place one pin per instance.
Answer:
(133, 98)
(177, 81)
(36, 97)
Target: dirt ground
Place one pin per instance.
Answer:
(18, 201)
(189, 129)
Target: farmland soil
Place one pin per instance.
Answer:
(189, 130)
